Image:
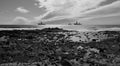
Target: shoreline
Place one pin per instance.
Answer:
(84, 29)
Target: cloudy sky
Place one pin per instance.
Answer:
(59, 11)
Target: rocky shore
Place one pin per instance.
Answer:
(58, 47)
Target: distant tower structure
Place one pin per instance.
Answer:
(77, 23)
(41, 23)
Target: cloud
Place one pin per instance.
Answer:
(22, 10)
(21, 21)
(76, 9)
(99, 17)
(108, 9)
(105, 11)
(67, 8)
(93, 20)
(105, 20)
(71, 10)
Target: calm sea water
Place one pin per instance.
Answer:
(67, 27)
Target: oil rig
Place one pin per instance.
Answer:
(41, 23)
(76, 23)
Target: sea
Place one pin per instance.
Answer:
(66, 27)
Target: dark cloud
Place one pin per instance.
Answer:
(107, 2)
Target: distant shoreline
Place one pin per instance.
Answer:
(65, 27)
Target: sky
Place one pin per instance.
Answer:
(88, 12)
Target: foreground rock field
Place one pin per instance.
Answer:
(58, 47)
